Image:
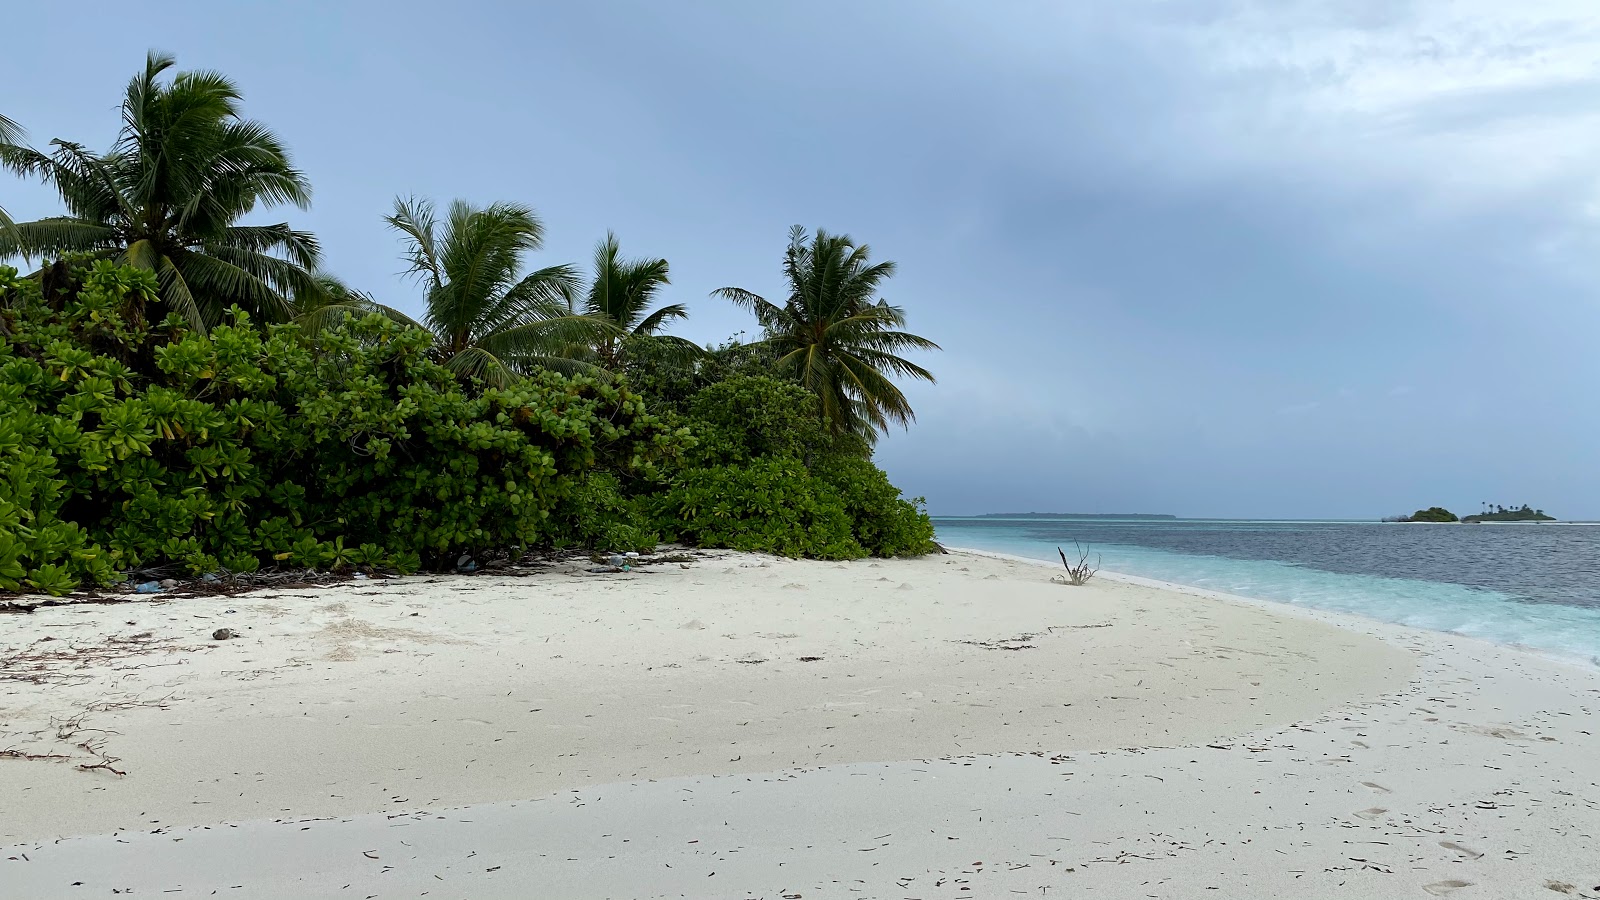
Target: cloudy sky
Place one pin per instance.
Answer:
(1206, 257)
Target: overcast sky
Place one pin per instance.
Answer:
(1205, 257)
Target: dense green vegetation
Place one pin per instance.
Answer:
(1496, 513)
(184, 393)
(1431, 514)
(831, 337)
(169, 195)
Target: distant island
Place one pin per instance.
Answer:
(1431, 514)
(1525, 513)
(1039, 515)
(1491, 513)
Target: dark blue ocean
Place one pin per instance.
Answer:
(1528, 585)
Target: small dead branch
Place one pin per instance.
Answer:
(49, 661)
(1020, 642)
(13, 753)
(1081, 573)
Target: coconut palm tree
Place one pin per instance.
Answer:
(10, 134)
(332, 300)
(489, 322)
(622, 293)
(169, 196)
(833, 338)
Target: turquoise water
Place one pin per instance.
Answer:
(1535, 586)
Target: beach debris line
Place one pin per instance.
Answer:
(1025, 640)
(1081, 573)
(1020, 642)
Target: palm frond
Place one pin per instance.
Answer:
(301, 247)
(176, 295)
(658, 319)
(282, 278)
(624, 289)
(769, 314)
(415, 221)
(222, 283)
(47, 237)
(476, 362)
(542, 294)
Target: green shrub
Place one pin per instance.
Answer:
(767, 475)
(749, 417)
(883, 522)
(600, 515)
(768, 505)
(127, 445)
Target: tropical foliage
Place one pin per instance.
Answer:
(767, 474)
(182, 391)
(622, 295)
(169, 196)
(126, 445)
(10, 134)
(489, 321)
(831, 337)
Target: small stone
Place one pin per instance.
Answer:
(169, 583)
(222, 634)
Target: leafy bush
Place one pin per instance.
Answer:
(771, 505)
(767, 475)
(125, 444)
(599, 514)
(883, 522)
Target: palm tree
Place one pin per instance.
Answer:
(622, 294)
(833, 338)
(10, 134)
(487, 321)
(168, 197)
(331, 300)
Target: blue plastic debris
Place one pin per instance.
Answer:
(149, 587)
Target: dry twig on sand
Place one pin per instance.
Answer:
(1081, 573)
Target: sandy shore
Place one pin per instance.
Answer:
(955, 726)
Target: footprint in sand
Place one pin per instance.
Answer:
(794, 586)
(1561, 887)
(1376, 787)
(1361, 744)
(1466, 852)
(904, 587)
(1442, 888)
(1372, 814)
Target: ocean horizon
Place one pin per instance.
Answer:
(1525, 585)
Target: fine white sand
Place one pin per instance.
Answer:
(954, 726)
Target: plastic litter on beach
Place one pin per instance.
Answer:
(148, 587)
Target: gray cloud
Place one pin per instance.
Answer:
(1182, 255)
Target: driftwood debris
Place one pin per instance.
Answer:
(1081, 573)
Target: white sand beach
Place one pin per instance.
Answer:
(740, 727)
